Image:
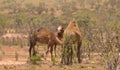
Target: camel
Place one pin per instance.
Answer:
(73, 31)
(44, 36)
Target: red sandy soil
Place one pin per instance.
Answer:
(9, 62)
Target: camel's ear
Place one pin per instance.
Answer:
(73, 20)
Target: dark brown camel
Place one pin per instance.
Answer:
(44, 36)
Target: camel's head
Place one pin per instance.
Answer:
(60, 31)
(73, 23)
(60, 28)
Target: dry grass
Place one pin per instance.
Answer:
(8, 61)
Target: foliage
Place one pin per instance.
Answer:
(35, 59)
(67, 53)
(3, 20)
(98, 21)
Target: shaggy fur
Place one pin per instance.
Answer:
(73, 30)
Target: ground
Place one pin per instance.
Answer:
(16, 58)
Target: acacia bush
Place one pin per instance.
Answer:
(104, 39)
(67, 53)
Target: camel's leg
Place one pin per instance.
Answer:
(48, 47)
(62, 59)
(30, 49)
(34, 52)
(63, 55)
(71, 55)
(55, 50)
(51, 50)
(79, 52)
(33, 43)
